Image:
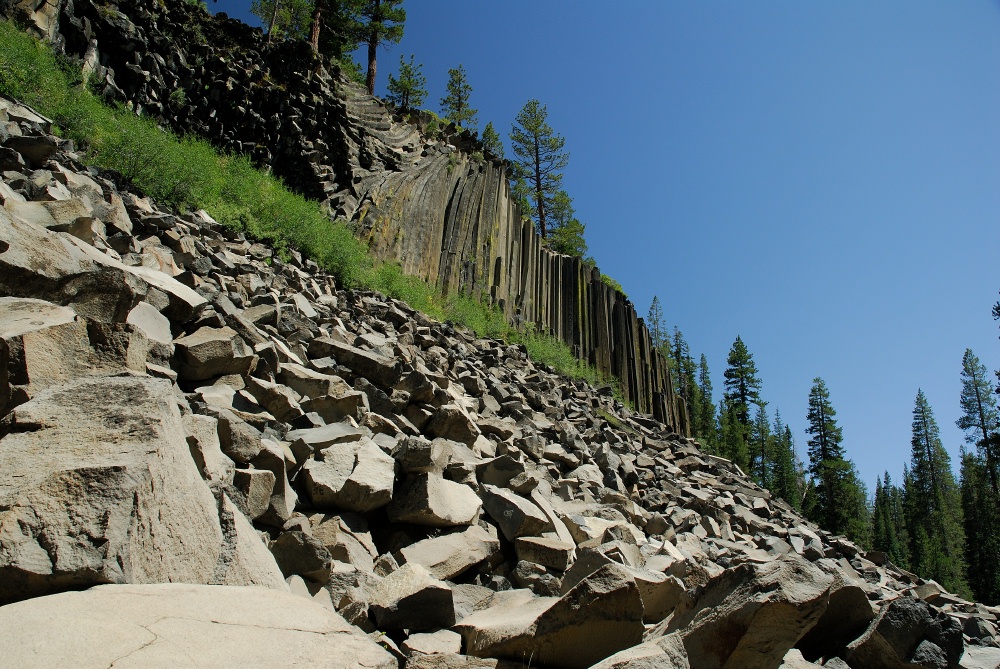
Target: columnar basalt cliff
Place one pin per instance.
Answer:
(429, 200)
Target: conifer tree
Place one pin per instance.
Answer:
(566, 230)
(937, 539)
(407, 91)
(455, 105)
(981, 511)
(762, 447)
(539, 160)
(656, 325)
(379, 22)
(705, 427)
(838, 501)
(491, 141)
(283, 17)
(785, 481)
(980, 418)
(741, 393)
(888, 523)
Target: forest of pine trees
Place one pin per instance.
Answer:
(937, 524)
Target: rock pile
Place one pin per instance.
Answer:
(261, 468)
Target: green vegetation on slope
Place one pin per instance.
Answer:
(188, 173)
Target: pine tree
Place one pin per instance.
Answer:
(888, 523)
(706, 430)
(566, 230)
(656, 325)
(742, 391)
(937, 539)
(762, 447)
(491, 141)
(784, 473)
(283, 17)
(379, 22)
(539, 160)
(981, 511)
(408, 90)
(838, 499)
(980, 418)
(455, 105)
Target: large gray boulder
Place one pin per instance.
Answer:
(908, 633)
(430, 499)
(106, 492)
(410, 598)
(357, 476)
(600, 616)
(173, 625)
(448, 556)
(751, 615)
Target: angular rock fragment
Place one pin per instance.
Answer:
(430, 499)
(600, 616)
(908, 633)
(516, 516)
(449, 556)
(356, 476)
(410, 598)
(211, 352)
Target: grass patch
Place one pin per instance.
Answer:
(189, 173)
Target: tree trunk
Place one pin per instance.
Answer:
(373, 39)
(274, 17)
(317, 20)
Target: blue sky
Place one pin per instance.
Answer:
(822, 179)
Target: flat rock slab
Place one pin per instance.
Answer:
(175, 625)
(452, 554)
(430, 499)
(97, 485)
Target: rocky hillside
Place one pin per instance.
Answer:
(429, 200)
(212, 457)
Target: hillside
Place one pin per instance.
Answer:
(187, 413)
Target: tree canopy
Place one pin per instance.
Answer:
(539, 160)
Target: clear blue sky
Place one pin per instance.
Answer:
(822, 179)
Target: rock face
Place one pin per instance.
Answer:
(430, 200)
(108, 493)
(235, 418)
(147, 626)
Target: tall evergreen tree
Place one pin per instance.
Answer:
(379, 22)
(742, 392)
(539, 159)
(491, 141)
(283, 17)
(981, 511)
(656, 325)
(706, 428)
(566, 230)
(980, 418)
(761, 447)
(838, 501)
(937, 540)
(407, 91)
(888, 523)
(733, 436)
(785, 481)
(455, 105)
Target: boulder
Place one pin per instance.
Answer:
(600, 616)
(298, 553)
(751, 615)
(410, 598)
(98, 492)
(378, 369)
(451, 422)
(442, 642)
(211, 352)
(167, 625)
(347, 538)
(356, 476)
(547, 552)
(908, 633)
(449, 556)
(432, 500)
(516, 516)
(664, 653)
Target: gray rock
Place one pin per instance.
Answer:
(430, 499)
(451, 555)
(107, 492)
(410, 598)
(356, 476)
(516, 516)
(907, 633)
(211, 352)
(166, 625)
(298, 553)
